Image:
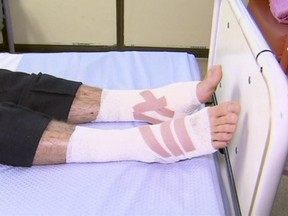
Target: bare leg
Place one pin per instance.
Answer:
(53, 144)
(86, 105)
(52, 148)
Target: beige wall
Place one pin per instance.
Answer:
(172, 23)
(64, 21)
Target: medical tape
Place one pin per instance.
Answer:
(168, 139)
(151, 104)
(152, 142)
(182, 135)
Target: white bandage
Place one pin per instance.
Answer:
(154, 105)
(167, 142)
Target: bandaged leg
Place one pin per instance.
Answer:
(201, 133)
(160, 104)
(154, 106)
(167, 142)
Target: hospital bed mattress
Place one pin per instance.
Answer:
(190, 187)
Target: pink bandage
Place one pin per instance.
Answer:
(151, 104)
(152, 142)
(169, 141)
(183, 136)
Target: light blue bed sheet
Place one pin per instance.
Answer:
(189, 187)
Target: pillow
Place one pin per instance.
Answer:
(279, 9)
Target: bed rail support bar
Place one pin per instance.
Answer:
(8, 25)
(233, 190)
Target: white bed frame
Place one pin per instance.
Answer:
(253, 77)
(257, 153)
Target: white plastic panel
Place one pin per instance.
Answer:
(243, 82)
(236, 45)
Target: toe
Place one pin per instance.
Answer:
(222, 137)
(219, 145)
(234, 107)
(226, 128)
(224, 109)
(207, 87)
(215, 73)
(230, 118)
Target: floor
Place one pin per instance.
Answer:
(280, 207)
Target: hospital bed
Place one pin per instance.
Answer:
(241, 179)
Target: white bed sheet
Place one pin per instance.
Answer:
(189, 187)
(10, 61)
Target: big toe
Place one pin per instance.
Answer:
(224, 109)
(214, 76)
(207, 87)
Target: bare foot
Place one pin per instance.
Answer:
(223, 120)
(206, 88)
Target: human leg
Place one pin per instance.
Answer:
(52, 146)
(30, 138)
(206, 131)
(86, 105)
(70, 101)
(38, 92)
(150, 105)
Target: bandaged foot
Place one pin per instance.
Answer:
(160, 104)
(182, 138)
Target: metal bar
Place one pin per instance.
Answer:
(120, 23)
(232, 185)
(8, 25)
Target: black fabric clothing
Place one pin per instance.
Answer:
(42, 92)
(21, 131)
(27, 105)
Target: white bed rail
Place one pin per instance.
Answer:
(252, 76)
